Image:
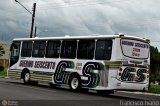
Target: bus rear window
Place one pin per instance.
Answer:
(135, 49)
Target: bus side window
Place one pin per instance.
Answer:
(68, 49)
(26, 49)
(53, 49)
(103, 50)
(39, 48)
(86, 49)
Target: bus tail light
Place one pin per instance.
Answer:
(120, 72)
(120, 69)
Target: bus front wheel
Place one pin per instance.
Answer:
(75, 83)
(26, 77)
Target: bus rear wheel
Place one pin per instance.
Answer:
(75, 83)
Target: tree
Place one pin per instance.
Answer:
(155, 54)
(154, 63)
(155, 60)
(2, 52)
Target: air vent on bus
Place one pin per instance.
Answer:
(147, 39)
(67, 36)
(120, 34)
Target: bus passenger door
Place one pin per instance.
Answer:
(14, 53)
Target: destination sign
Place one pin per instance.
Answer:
(134, 49)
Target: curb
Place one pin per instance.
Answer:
(141, 93)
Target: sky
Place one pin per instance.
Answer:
(81, 17)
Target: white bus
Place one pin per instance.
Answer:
(100, 62)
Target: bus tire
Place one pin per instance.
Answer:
(26, 77)
(75, 83)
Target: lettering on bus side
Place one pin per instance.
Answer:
(44, 64)
(26, 63)
(141, 45)
(61, 76)
(140, 73)
(136, 52)
(130, 74)
(127, 75)
(131, 43)
(88, 71)
(37, 64)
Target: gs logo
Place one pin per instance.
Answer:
(61, 75)
(131, 74)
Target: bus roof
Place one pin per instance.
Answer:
(84, 37)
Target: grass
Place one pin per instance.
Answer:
(3, 73)
(154, 89)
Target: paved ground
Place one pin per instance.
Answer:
(16, 92)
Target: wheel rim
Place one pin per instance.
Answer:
(27, 77)
(74, 83)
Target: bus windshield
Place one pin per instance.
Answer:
(135, 49)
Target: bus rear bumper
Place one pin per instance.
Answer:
(118, 85)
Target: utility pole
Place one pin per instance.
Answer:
(33, 18)
(35, 31)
